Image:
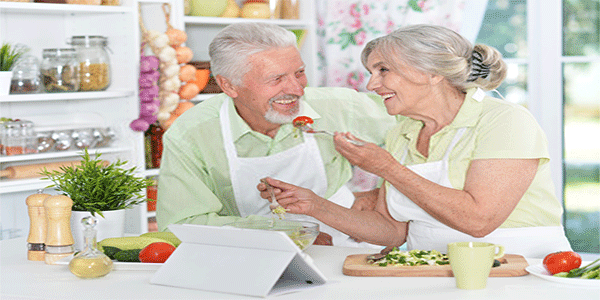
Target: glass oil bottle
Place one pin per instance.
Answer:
(91, 262)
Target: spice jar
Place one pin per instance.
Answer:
(13, 138)
(94, 62)
(29, 137)
(26, 76)
(59, 69)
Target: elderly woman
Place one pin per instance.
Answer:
(460, 165)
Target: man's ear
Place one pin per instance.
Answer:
(435, 79)
(226, 86)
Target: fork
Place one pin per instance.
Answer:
(306, 128)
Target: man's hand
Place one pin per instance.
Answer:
(324, 239)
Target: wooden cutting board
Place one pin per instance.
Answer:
(356, 265)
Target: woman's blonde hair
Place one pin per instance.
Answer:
(441, 51)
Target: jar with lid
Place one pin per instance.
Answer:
(94, 62)
(29, 137)
(26, 76)
(60, 71)
(13, 138)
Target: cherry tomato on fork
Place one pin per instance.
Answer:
(563, 261)
(302, 120)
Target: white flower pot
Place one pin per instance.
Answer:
(112, 225)
(5, 78)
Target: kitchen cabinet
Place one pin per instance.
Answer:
(44, 25)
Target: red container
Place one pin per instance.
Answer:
(156, 147)
(151, 194)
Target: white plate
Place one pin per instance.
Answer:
(121, 266)
(541, 272)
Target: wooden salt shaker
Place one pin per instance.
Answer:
(36, 248)
(59, 239)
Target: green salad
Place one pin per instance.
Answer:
(412, 258)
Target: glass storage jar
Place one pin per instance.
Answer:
(13, 138)
(60, 71)
(94, 62)
(29, 137)
(26, 76)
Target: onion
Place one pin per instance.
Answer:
(167, 54)
(176, 37)
(171, 71)
(151, 119)
(159, 42)
(184, 54)
(149, 79)
(148, 64)
(148, 109)
(187, 73)
(139, 125)
(171, 84)
(163, 116)
(189, 91)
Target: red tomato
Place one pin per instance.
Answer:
(156, 252)
(302, 120)
(563, 261)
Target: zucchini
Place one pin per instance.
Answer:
(166, 235)
(129, 242)
(110, 251)
(132, 255)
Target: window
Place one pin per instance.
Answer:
(552, 48)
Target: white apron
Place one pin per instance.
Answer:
(425, 232)
(300, 165)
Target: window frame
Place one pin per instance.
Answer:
(544, 79)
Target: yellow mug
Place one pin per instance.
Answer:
(471, 263)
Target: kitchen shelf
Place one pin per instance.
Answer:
(18, 185)
(61, 9)
(60, 154)
(292, 24)
(47, 97)
(151, 172)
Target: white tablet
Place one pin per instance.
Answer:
(237, 261)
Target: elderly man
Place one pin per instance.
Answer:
(215, 154)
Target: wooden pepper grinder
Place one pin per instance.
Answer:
(59, 239)
(36, 248)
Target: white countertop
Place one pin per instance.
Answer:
(24, 279)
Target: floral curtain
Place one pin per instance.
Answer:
(345, 26)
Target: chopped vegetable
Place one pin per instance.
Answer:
(412, 258)
(280, 212)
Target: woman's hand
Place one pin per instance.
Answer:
(368, 157)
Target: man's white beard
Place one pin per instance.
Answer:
(276, 117)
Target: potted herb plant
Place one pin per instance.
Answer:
(99, 188)
(9, 55)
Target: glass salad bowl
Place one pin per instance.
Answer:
(303, 233)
